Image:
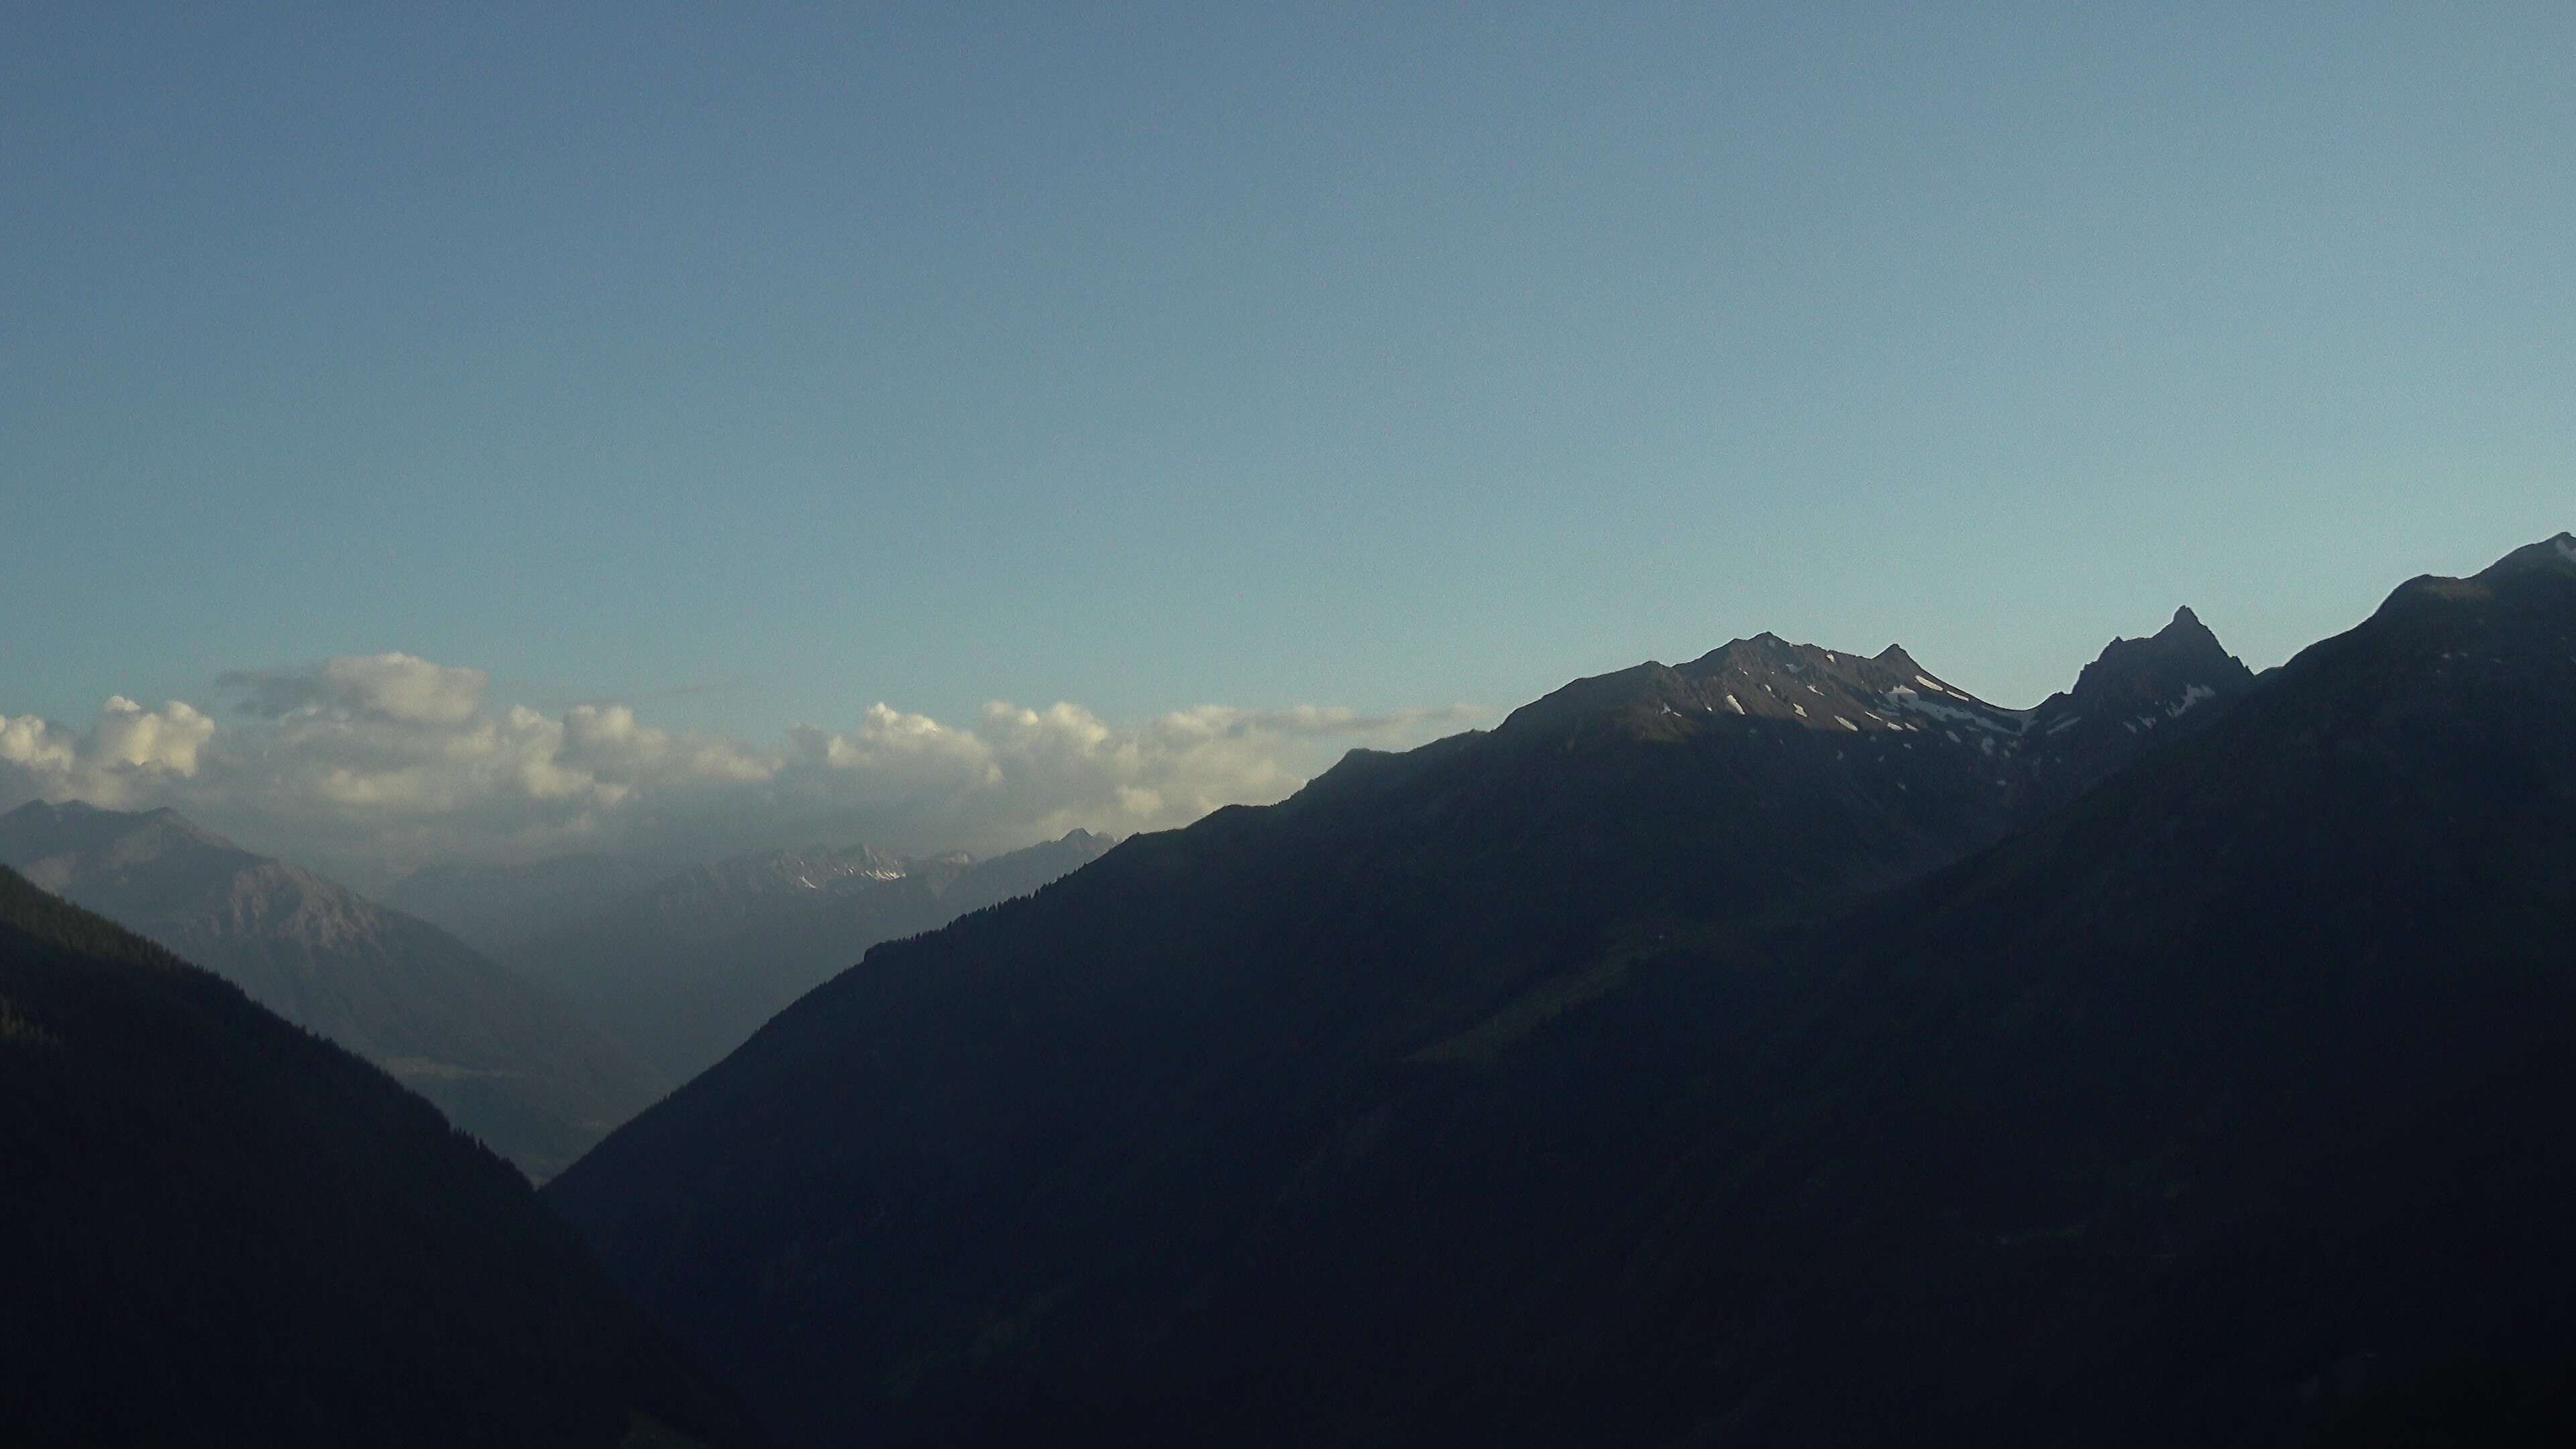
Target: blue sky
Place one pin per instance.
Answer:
(758, 364)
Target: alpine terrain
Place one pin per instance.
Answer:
(1784, 1047)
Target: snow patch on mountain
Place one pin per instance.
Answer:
(2191, 694)
(1905, 698)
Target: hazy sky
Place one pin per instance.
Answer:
(758, 365)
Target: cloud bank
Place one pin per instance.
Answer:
(371, 765)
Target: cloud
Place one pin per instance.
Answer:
(128, 753)
(395, 687)
(369, 765)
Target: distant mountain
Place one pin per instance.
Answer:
(499, 909)
(688, 968)
(225, 1230)
(1118, 1156)
(504, 1060)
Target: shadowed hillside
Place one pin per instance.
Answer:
(228, 1230)
(1123, 1152)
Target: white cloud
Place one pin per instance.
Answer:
(129, 753)
(37, 747)
(369, 765)
(398, 687)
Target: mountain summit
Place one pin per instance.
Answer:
(2557, 553)
(2175, 667)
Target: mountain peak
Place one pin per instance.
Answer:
(2182, 657)
(2549, 553)
(74, 826)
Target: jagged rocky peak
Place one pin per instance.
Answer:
(2179, 677)
(1765, 654)
(1894, 657)
(2170, 671)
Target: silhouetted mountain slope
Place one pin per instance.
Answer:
(688, 968)
(225, 1230)
(505, 1061)
(1053, 1159)
(2225, 1107)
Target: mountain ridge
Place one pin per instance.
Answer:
(994, 1097)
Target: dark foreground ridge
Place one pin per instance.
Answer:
(1784, 1048)
(226, 1230)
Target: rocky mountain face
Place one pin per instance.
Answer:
(2173, 682)
(503, 1059)
(688, 968)
(1121, 1155)
(228, 1230)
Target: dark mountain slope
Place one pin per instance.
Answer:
(505, 1061)
(689, 967)
(1018, 1161)
(226, 1230)
(2228, 1106)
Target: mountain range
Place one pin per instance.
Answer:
(1786, 1047)
(504, 1059)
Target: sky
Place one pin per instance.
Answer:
(456, 430)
